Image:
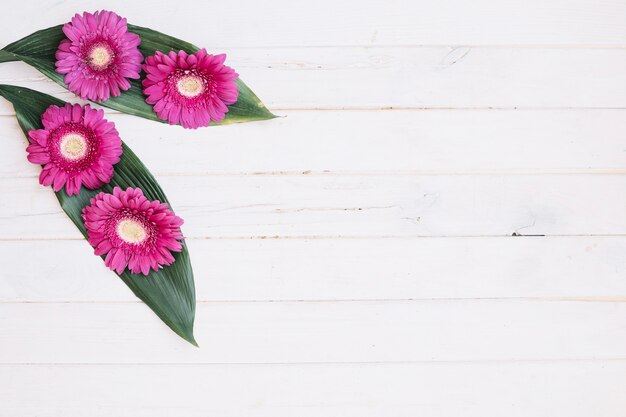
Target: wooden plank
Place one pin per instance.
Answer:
(369, 22)
(402, 141)
(431, 77)
(355, 205)
(539, 389)
(338, 269)
(295, 332)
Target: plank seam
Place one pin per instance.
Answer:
(567, 299)
(372, 363)
(410, 108)
(384, 173)
(346, 237)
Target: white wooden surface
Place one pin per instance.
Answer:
(359, 256)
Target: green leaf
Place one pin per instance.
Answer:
(170, 291)
(38, 50)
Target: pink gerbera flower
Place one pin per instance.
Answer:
(190, 90)
(99, 56)
(132, 230)
(77, 146)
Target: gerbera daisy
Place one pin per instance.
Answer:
(77, 146)
(99, 56)
(191, 90)
(132, 231)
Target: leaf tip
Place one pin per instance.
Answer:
(192, 340)
(187, 334)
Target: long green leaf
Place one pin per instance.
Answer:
(38, 50)
(170, 291)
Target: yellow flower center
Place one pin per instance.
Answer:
(190, 86)
(100, 56)
(131, 231)
(73, 146)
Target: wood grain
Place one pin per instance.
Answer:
(370, 22)
(356, 256)
(430, 77)
(305, 332)
(516, 389)
(246, 206)
(367, 142)
(584, 268)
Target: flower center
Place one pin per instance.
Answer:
(100, 56)
(190, 86)
(73, 146)
(131, 231)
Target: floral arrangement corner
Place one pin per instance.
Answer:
(101, 185)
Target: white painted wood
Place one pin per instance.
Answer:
(296, 332)
(355, 205)
(355, 142)
(432, 77)
(538, 389)
(251, 23)
(355, 262)
(338, 269)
